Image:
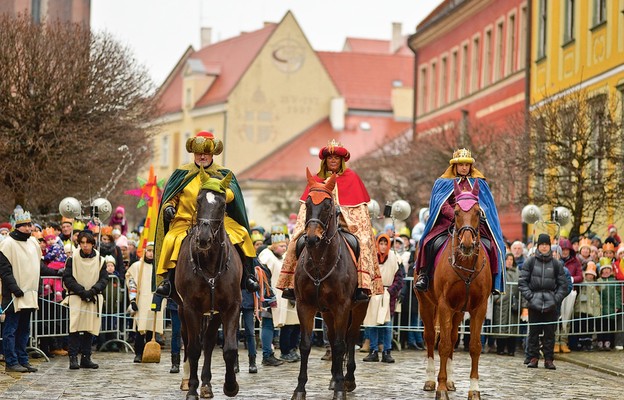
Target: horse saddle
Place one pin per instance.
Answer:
(350, 238)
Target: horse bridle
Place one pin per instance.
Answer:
(223, 266)
(323, 224)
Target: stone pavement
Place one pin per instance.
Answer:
(502, 377)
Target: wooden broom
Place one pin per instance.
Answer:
(151, 352)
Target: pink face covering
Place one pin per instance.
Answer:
(466, 200)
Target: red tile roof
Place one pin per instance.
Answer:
(290, 160)
(372, 46)
(230, 57)
(366, 80)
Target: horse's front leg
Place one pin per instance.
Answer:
(476, 323)
(230, 349)
(192, 321)
(450, 380)
(358, 313)
(445, 348)
(427, 313)
(209, 341)
(341, 320)
(306, 315)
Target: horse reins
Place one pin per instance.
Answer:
(222, 266)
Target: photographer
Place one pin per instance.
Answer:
(85, 278)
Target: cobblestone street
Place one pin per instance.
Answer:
(502, 377)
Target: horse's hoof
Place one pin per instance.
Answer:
(184, 385)
(441, 395)
(230, 391)
(206, 392)
(192, 397)
(332, 384)
(298, 396)
(474, 395)
(350, 386)
(450, 386)
(340, 395)
(429, 386)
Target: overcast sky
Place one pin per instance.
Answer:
(158, 31)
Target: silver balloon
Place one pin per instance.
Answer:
(401, 210)
(70, 208)
(373, 209)
(531, 214)
(562, 215)
(104, 208)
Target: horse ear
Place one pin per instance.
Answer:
(456, 189)
(225, 182)
(310, 178)
(203, 175)
(331, 182)
(475, 188)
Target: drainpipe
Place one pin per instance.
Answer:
(415, 105)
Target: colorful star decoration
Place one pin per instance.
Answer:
(145, 189)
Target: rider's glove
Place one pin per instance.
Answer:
(169, 213)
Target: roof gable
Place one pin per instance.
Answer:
(366, 80)
(230, 57)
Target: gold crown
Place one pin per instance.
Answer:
(462, 156)
(334, 143)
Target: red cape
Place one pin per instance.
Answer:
(351, 190)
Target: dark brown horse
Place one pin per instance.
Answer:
(325, 281)
(207, 279)
(462, 282)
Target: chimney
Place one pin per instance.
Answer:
(337, 113)
(397, 37)
(206, 37)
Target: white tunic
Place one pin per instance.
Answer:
(85, 316)
(144, 317)
(24, 258)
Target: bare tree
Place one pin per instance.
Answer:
(283, 199)
(577, 155)
(407, 168)
(74, 113)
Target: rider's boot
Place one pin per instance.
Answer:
(288, 294)
(249, 281)
(167, 286)
(422, 283)
(360, 295)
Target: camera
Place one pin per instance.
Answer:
(387, 210)
(95, 211)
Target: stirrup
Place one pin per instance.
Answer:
(251, 285)
(164, 289)
(360, 295)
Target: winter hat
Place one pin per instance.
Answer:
(68, 248)
(556, 248)
(565, 244)
(620, 250)
(543, 238)
(122, 241)
(591, 268)
(120, 209)
(109, 259)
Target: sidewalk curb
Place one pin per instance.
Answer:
(593, 366)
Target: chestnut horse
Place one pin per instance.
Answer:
(207, 279)
(325, 281)
(462, 282)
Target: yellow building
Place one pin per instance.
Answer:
(578, 46)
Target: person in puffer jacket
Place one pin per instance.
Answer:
(544, 285)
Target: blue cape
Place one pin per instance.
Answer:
(442, 189)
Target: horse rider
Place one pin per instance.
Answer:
(178, 210)
(442, 216)
(351, 198)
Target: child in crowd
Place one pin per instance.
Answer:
(611, 299)
(586, 311)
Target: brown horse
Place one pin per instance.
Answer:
(462, 282)
(325, 281)
(207, 279)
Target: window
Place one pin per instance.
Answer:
(542, 15)
(474, 70)
(188, 98)
(164, 151)
(453, 75)
(524, 23)
(498, 55)
(433, 87)
(422, 91)
(464, 72)
(568, 33)
(443, 81)
(510, 66)
(600, 11)
(186, 156)
(36, 11)
(487, 62)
